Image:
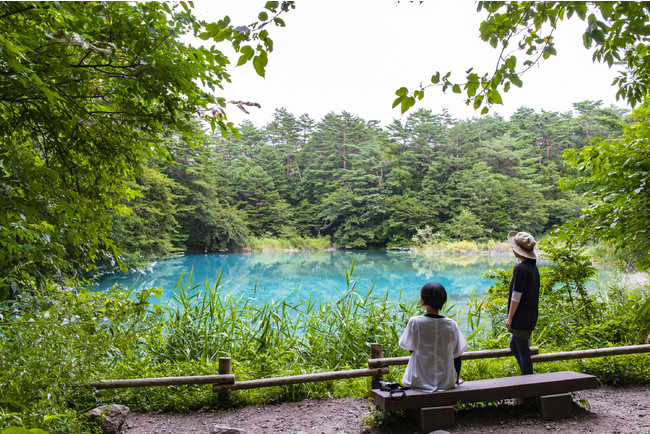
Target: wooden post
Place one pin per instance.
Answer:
(225, 367)
(376, 352)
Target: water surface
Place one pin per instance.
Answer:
(288, 275)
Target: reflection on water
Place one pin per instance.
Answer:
(277, 275)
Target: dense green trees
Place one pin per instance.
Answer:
(96, 160)
(613, 175)
(618, 35)
(86, 91)
(365, 186)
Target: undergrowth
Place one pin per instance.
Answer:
(55, 340)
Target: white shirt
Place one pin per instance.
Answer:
(435, 343)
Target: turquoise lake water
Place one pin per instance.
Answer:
(287, 275)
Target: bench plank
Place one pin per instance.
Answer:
(494, 389)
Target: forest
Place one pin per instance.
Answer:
(116, 149)
(360, 184)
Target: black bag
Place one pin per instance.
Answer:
(395, 391)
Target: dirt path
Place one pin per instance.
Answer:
(610, 410)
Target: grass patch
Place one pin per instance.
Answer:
(295, 243)
(56, 338)
(465, 247)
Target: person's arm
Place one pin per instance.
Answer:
(409, 337)
(514, 304)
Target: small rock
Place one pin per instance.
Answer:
(218, 429)
(109, 418)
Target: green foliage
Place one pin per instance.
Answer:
(147, 230)
(571, 315)
(58, 339)
(618, 36)
(619, 370)
(293, 243)
(465, 226)
(571, 269)
(87, 91)
(613, 174)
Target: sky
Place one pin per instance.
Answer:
(353, 55)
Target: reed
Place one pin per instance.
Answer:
(267, 338)
(294, 243)
(62, 338)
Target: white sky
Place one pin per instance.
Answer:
(353, 55)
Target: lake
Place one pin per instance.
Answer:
(285, 275)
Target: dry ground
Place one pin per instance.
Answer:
(609, 410)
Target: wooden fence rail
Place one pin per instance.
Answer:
(377, 367)
(597, 352)
(469, 355)
(295, 379)
(161, 381)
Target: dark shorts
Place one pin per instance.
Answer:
(521, 334)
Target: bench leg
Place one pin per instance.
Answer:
(556, 406)
(432, 418)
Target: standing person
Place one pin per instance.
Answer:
(523, 298)
(435, 342)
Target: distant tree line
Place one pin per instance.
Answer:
(360, 184)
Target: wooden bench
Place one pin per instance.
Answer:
(434, 410)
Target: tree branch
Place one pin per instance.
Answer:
(20, 11)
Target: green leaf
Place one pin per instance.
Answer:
(478, 100)
(598, 36)
(402, 91)
(263, 16)
(456, 88)
(259, 66)
(407, 103)
(247, 54)
(511, 63)
(56, 416)
(472, 84)
(494, 97)
(435, 79)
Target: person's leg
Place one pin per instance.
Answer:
(515, 351)
(457, 365)
(522, 355)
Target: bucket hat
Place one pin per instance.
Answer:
(522, 243)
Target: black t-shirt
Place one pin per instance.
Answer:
(525, 279)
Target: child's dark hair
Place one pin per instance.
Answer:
(433, 295)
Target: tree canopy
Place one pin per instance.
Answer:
(613, 176)
(86, 90)
(617, 31)
(361, 185)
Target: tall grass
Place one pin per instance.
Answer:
(269, 338)
(204, 322)
(465, 247)
(58, 338)
(267, 244)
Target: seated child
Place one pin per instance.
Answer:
(435, 342)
